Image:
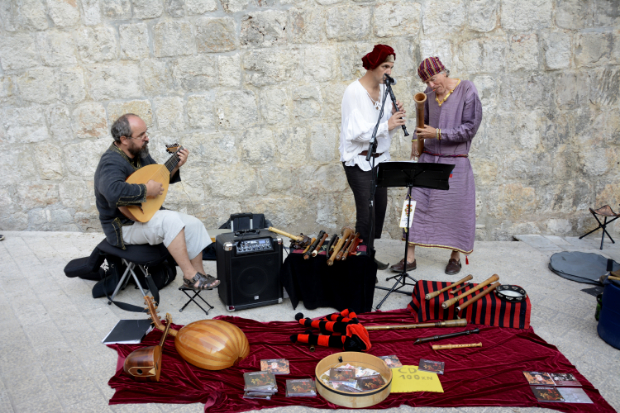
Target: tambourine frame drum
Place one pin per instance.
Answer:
(350, 399)
(511, 293)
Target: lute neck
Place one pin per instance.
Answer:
(173, 161)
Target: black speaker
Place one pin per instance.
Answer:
(248, 267)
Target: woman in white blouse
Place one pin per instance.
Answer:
(361, 105)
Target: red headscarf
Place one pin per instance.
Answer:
(378, 55)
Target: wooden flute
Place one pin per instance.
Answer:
(448, 323)
(345, 234)
(449, 346)
(436, 293)
(477, 297)
(436, 338)
(318, 247)
(449, 303)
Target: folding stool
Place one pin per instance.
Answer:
(606, 212)
(185, 290)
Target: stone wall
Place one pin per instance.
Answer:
(253, 89)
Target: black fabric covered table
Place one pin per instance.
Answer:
(346, 284)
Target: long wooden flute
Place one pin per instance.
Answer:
(477, 297)
(449, 346)
(460, 288)
(436, 338)
(449, 303)
(448, 323)
(320, 244)
(315, 242)
(308, 247)
(346, 232)
(436, 293)
(344, 248)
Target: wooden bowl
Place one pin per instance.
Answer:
(350, 399)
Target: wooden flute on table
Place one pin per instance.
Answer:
(352, 246)
(315, 242)
(346, 232)
(449, 303)
(448, 323)
(466, 304)
(449, 346)
(320, 244)
(434, 294)
(303, 239)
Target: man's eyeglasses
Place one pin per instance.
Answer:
(140, 136)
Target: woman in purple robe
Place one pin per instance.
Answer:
(452, 115)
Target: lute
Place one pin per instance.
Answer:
(158, 173)
(144, 364)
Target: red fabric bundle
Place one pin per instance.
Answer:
(489, 310)
(378, 55)
(487, 376)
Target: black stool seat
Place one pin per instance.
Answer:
(186, 291)
(606, 212)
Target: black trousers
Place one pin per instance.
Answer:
(359, 181)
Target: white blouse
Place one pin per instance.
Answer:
(359, 117)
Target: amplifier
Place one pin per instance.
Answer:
(248, 267)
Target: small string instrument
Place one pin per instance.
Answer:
(144, 364)
(158, 173)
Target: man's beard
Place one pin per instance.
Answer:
(141, 152)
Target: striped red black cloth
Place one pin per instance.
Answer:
(489, 310)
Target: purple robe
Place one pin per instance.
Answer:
(447, 219)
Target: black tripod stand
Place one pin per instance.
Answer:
(409, 174)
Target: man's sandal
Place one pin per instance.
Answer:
(205, 282)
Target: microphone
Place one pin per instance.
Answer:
(389, 79)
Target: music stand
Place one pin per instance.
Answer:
(410, 174)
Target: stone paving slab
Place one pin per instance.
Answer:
(50, 317)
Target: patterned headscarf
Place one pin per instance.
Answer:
(429, 68)
(379, 54)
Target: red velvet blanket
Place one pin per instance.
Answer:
(487, 376)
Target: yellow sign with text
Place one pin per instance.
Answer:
(408, 379)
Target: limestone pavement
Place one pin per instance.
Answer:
(52, 359)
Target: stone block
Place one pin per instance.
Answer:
(142, 108)
(348, 23)
(212, 149)
(574, 14)
(76, 194)
(59, 121)
(79, 166)
(71, 84)
(63, 13)
(571, 90)
(236, 109)
(169, 112)
(441, 48)
(89, 121)
(397, 19)
(593, 48)
(557, 49)
(56, 48)
(116, 9)
(274, 179)
(596, 161)
(351, 59)
(482, 15)
(230, 70)
(200, 111)
(196, 73)
(488, 91)
(24, 125)
(48, 158)
(512, 200)
(320, 63)
(408, 58)
(274, 106)
(332, 94)
(285, 211)
(38, 85)
(157, 77)
(91, 12)
(444, 16)
(525, 16)
(326, 179)
(147, 9)
(214, 35)
(291, 145)
(194, 7)
(306, 102)
(604, 86)
(607, 13)
(27, 14)
(174, 8)
(7, 90)
(258, 146)
(18, 51)
(114, 81)
(487, 56)
(306, 25)
(134, 39)
(173, 38)
(37, 195)
(96, 44)
(270, 67)
(522, 52)
(323, 142)
(236, 183)
(329, 2)
(264, 29)
(233, 6)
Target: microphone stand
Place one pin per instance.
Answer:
(372, 148)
